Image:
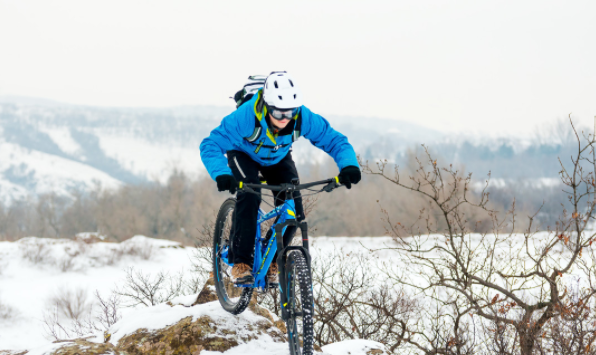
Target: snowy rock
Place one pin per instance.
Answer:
(13, 352)
(175, 328)
(190, 330)
(89, 237)
(208, 293)
(73, 347)
(80, 347)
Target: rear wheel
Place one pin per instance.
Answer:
(233, 299)
(300, 305)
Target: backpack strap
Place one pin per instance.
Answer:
(258, 117)
(257, 131)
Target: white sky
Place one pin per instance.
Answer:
(499, 67)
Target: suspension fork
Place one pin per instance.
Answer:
(282, 257)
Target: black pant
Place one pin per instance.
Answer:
(247, 204)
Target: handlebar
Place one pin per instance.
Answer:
(331, 184)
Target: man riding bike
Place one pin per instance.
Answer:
(257, 137)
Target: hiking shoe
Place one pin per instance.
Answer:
(272, 273)
(242, 274)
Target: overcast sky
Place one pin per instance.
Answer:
(498, 67)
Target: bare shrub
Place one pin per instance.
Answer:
(66, 263)
(6, 311)
(203, 252)
(140, 288)
(71, 303)
(144, 250)
(352, 301)
(115, 255)
(513, 284)
(54, 327)
(107, 312)
(36, 251)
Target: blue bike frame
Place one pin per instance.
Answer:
(265, 251)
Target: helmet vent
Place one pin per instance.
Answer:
(294, 95)
(280, 98)
(291, 83)
(275, 83)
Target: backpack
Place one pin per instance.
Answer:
(254, 84)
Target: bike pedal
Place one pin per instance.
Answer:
(244, 285)
(245, 281)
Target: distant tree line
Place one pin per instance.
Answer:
(178, 209)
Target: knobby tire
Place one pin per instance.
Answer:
(233, 299)
(300, 299)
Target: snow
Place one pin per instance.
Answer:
(33, 269)
(45, 349)
(536, 183)
(185, 301)
(46, 172)
(10, 192)
(163, 315)
(63, 139)
(353, 347)
(263, 346)
(141, 240)
(153, 160)
(352, 244)
(27, 286)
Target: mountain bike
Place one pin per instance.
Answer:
(295, 283)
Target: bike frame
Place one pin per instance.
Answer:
(265, 250)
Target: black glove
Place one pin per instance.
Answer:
(226, 183)
(350, 175)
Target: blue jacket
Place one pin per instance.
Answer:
(237, 132)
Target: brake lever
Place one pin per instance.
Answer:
(332, 185)
(241, 187)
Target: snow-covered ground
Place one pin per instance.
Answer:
(34, 270)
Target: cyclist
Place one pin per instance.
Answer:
(257, 137)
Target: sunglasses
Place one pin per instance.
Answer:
(283, 114)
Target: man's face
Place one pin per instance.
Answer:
(279, 124)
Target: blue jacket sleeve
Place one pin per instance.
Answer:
(318, 131)
(226, 136)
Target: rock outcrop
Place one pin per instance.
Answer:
(196, 325)
(186, 325)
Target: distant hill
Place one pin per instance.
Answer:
(48, 146)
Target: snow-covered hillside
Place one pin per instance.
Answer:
(47, 147)
(52, 147)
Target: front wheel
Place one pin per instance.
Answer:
(300, 305)
(232, 298)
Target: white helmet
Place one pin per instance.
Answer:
(281, 92)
